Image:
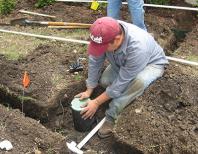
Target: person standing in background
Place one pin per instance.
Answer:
(135, 8)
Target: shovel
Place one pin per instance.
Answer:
(25, 22)
(69, 27)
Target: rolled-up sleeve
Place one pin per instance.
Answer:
(135, 62)
(94, 70)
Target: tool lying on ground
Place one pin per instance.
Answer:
(69, 27)
(25, 22)
(37, 14)
(77, 148)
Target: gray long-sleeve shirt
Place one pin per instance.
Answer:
(138, 50)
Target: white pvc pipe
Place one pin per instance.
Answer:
(96, 128)
(86, 42)
(172, 7)
(45, 37)
(182, 61)
(147, 5)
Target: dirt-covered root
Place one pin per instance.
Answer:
(164, 119)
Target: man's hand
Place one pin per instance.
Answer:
(85, 94)
(89, 109)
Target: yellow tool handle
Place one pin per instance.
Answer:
(70, 27)
(67, 24)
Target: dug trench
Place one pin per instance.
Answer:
(167, 117)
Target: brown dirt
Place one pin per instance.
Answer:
(48, 72)
(161, 22)
(27, 135)
(173, 111)
(190, 45)
(168, 121)
(47, 80)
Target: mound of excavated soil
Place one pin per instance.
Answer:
(27, 135)
(47, 67)
(190, 45)
(167, 123)
(168, 119)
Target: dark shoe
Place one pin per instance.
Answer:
(106, 130)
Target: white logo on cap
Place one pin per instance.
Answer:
(97, 39)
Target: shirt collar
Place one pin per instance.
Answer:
(123, 47)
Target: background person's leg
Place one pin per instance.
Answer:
(135, 89)
(137, 12)
(113, 8)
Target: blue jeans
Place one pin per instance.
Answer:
(135, 88)
(135, 8)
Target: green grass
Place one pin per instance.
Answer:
(78, 77)
(60, 131)
(66, 33)
(6, 6)
(160, 2)
(3, 126)
(196, 5)
(55, 78)
(193, 58)
(42, 3)
(12, 54)
(186, 56)
(14, 47)
(26, 98)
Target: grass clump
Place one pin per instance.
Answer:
(6, 6)
(42, 3)
(159, 2)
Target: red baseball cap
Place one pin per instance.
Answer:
(102, 31)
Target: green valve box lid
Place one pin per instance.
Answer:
(76, 104)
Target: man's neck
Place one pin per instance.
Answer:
(122, 38)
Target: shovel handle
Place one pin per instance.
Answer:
(67, 24)
(69, 27)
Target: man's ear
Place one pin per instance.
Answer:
(118, 37)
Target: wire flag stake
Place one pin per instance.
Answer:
(26, 83)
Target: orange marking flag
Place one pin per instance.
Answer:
(26, 80)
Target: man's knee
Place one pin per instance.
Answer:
(136, 4)
(104, 82)
(136, 85)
